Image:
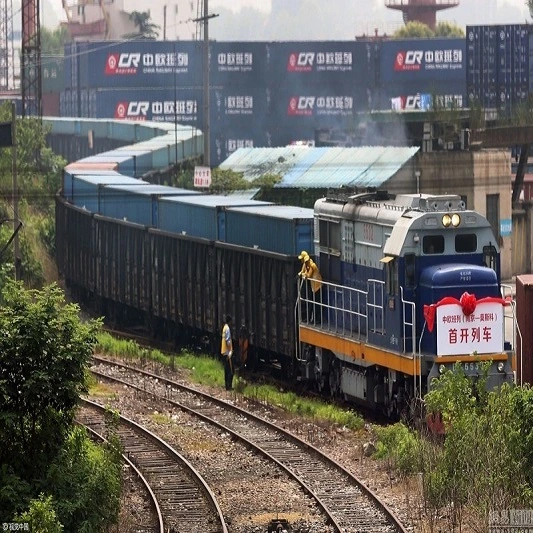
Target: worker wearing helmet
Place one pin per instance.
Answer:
(310, 271)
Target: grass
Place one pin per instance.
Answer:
(208, 371)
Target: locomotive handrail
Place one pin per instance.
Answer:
(372, 305)
(507, 291)
(345, 303)
(405, 305)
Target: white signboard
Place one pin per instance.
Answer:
(202, 177)
(481, 332)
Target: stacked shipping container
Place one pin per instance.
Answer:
(261, 93)
(498, 65)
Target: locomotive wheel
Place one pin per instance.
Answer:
(335, 379)
(320, 378)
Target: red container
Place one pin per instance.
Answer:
(524, 312)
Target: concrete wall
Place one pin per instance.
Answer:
(472, 175)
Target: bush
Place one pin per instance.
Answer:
(400, 447)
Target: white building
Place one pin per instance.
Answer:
(89, 20)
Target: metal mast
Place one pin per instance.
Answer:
(7, 78)
(31, 59)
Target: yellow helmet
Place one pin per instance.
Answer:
(304, 256)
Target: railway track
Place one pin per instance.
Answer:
(346, 502)
(181, 499)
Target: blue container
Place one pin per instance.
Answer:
(420, 96)
(198, 216)
(335, 64)
(125, 163)
(277, 228)
(136, 204)
(182, 106)
(142, 159)
(415, 60)
(68, 176)
(140, 64)
(238, 64)
(86, 190)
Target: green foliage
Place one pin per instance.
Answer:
(485, 462)
(267, 181)
(399, 446)
(38, 178)
(419, 30)
(224, 181)
(147, 29)
(85, 480)
(414, 29)
(44, 350)
(41, 516)
(53, 41)
(446, 29)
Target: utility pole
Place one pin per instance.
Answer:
(165, 22)
(205, 20)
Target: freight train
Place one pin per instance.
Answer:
(410, 285)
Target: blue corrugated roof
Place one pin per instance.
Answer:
(307, 167)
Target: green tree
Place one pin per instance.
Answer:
(41, 516)
(147, 29)
(44, 352)
(38, 175)
(224, 181)
(485, 462)
(414, 29)
(53, 41)
(446, 29)
(85, 480)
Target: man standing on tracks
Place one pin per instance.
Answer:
(226, 350)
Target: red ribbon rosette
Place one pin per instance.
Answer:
(467, 302)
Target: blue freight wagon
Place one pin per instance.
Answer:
(198, 216)
(125, 164)
(277, 228)
(86, 190)
(142, 159)
(136, 204)
(68, 176)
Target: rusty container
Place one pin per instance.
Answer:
(524, 312)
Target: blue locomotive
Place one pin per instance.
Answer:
(411, 285)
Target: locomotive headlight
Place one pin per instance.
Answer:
(446, 220)
(442, 368)
(501, 366)
(456, 220)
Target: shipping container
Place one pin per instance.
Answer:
(224, 141)
(334, 64)
(142, 159)
(420, 96)
(86, 190)
(415, 60)
(136, 204)
(140, 64)
(238, 64)
(182, 106)
(524, 307)
(50, 104)
(53, 74)
(498, 65)
(198, 216)
(125, 164)
(70, 171)
(277, 228)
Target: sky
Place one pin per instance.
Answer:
(320, 19)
